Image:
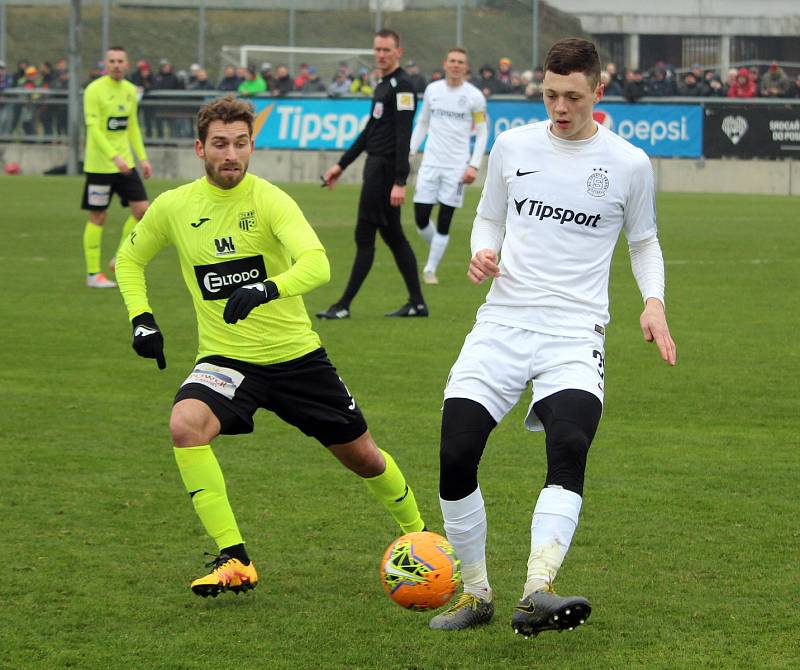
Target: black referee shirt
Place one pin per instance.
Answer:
(388, 131)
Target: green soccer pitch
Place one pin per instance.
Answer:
(688, 543)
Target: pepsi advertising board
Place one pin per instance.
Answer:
(659, 130)
(752, 131)
(320, 123)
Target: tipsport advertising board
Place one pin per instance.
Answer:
(311, 123)
(318, 123)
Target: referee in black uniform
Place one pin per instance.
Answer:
(386, 139)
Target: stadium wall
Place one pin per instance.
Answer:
(763, 177)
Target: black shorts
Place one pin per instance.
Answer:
(306, 392)
(99, 187)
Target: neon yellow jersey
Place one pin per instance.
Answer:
(226, 239)
(112, 125)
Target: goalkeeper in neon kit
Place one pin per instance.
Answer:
(247, 255)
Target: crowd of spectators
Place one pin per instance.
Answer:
(36, 112)
(662, 80)
(665, 81)
(40, 115)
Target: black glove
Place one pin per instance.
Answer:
(245, 298)
(148, 341)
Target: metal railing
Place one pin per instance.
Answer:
(167, 118)
(40, 115)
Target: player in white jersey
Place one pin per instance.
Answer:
(452, 109)
(557, 195)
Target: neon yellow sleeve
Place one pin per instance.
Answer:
(135, 134)
(92, 116)
(311, 267)
(310, 270)
(144, 242)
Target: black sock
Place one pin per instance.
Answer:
(237, 551)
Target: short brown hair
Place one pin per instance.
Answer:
(460, 50)
(227, 109)
(574, 54)
(386, 32)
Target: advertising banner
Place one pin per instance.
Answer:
(752, 131)
(310, 123)
(659, 130)
(319, 123)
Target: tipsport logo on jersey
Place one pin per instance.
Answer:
(659, 130)
(309, 123)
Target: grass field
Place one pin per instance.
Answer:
(689, 542)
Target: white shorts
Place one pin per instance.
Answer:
(497, 362)
(437, 184)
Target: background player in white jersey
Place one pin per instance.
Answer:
(452, 109)
(556, 197)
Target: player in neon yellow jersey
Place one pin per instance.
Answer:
(112, 127)
(247, 255)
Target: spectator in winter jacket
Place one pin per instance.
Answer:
(253, 84)
(610, 85)
(635, 86)
(690, 86)
(283, 82)
(340, 85)
(313, 83)
(714, 86)
(743, 86)
(230, 80)
(774, 83)
(794, 91)
(201, 82)
(659, 85)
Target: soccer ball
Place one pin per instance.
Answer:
(420, 571)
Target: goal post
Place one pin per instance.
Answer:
(325, 59)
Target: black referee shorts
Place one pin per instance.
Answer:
(306, 392)
(373, 204)
(99, 187)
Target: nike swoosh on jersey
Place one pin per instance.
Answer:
(522, 174)
(143, 331)
(200, 222)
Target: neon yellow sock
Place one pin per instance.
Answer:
(394, 494)
(127, 227)
(203, 479)
(92, 237)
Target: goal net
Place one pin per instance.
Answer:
(326, 60)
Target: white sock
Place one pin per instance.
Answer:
(438, 245)
(465, 526)
(427, 232)
(555, 519)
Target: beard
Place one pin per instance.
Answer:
(225, 180)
